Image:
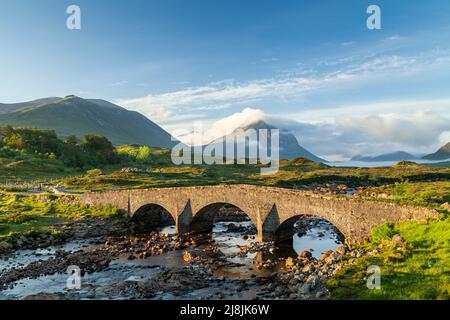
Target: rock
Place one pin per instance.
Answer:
(292, 296)
(342, 249)
(312, 280)
(305, 254)
(187, 257)
(398, 239)
(5, 246)
(325, 255)
(304, 288)
(308, 268)
(289, 263)
(320, 294)
(46, 296)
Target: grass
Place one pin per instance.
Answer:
(419, 269)
(29, 167)
(22, 215)
(162, 173)
(294, 173)
(432, 194)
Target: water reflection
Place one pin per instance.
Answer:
(228, 236)
(318, 239)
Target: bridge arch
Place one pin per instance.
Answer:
(287, 228)
(203, 220)
(269, 207)
(151, 216)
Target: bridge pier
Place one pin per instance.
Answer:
(183, 221)
(268, 207)
(267, 227)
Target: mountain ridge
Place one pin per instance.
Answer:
(78, 116)
(289, 147)
(442, 154)
(392, 156)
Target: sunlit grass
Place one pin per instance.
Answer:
(419, 269)
(24, 214)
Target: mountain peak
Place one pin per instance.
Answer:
(289, 146)
(442, 154)
(78, 116)
(257, 125)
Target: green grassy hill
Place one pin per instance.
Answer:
(73, 115)
(13, 107)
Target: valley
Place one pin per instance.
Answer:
(231, 247)
(43, 221)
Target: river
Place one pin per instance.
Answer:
(235, 277)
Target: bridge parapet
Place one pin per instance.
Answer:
(267, 207)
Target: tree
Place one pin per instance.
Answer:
(72, 140)
(144, 154)
(100, 150)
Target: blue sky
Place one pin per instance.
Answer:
(315, 68)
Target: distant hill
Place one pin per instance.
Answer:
(442, 154)
(394, 156)
(74, 115)
(289, 146)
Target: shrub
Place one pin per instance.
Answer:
(383, 232)
(143, 154)
(94, 173)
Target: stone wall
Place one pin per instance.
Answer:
(267, 207)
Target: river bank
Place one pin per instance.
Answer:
(225, 264)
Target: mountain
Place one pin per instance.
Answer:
(442, 154)
(74, 115)
(394, 156)
(288, 145)
(12, 107)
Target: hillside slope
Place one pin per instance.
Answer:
(74, 115)
(289, 148)
(442, 154)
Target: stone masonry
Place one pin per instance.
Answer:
(269, 208)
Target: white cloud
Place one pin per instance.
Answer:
(405, 107)
(444, 137)
(229, 93)
(119, 83)
(417, 132)
(219, 128)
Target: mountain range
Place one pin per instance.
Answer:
(394, 156)
(74, 115)
(442, 154)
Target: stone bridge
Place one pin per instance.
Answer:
(272, 210)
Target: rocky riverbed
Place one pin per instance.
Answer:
(226, 264)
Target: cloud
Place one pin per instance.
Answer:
(420, 129)
(230, 93)
(419, 132)
(198, 133)
(119, 83)
(405, 107)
